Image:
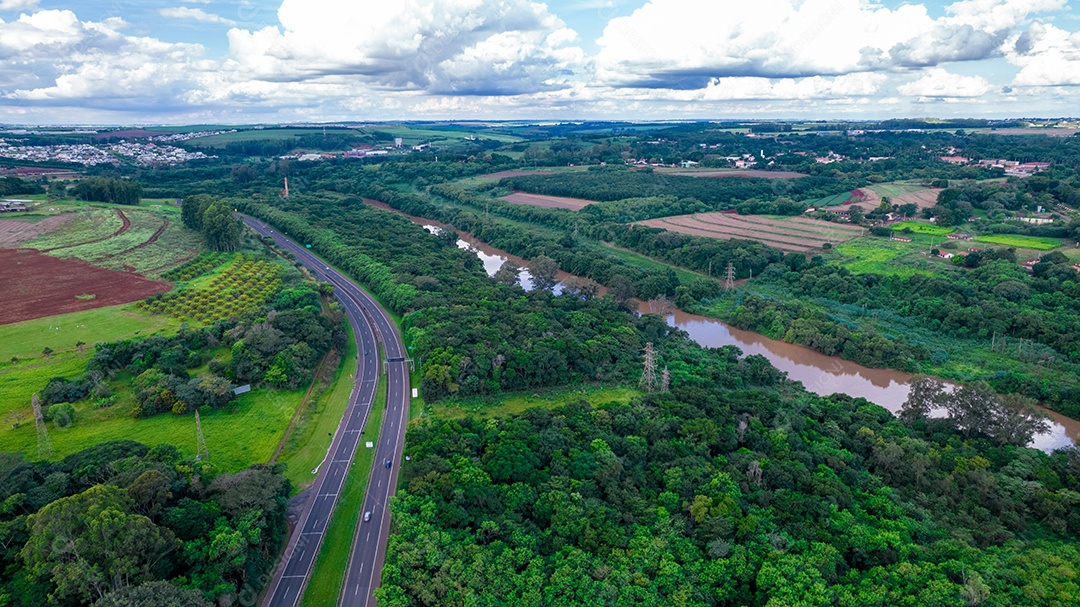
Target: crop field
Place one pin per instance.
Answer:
(196, 267)
(87, 225)
(1021, 242)
(829, 201)
(788, 234)
(547, 202)
(15, 231)
(64, 331)
(923, 198)
(883, 256)
(220, 141)
(920, 227)
(38, 285)
(244, 283)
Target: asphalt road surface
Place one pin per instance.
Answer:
(370, 324)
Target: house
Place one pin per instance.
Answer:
(945, 255)
(1029, 264)
(686, 164)
(956, 236)
(955, 159)
(901, 238)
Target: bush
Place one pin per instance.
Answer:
(62, 414)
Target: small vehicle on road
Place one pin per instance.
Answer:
(367, 516)
(387, 463)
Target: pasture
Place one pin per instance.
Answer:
(884, 256)
(1019, 241)
(921, 227)
(63, 331)
(798, 234)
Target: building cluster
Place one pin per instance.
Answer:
(1013, 168)
(174, 137)
(12, 205)
(84, 154)
(149, 154)
(92, 155)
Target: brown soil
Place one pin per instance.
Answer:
(924, 198)
(123, 228)
(13, 232)
(38, 285)
(502, 174)
(790, 234)
(547, 202)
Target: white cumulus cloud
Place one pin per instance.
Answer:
(18, 5)
(194, 14)
(464, 47)
(938, 83)
(1047, 56)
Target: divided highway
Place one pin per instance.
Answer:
(370, 324)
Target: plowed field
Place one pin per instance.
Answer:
(548, 202)
(13, 232)
(37, 285)
(788, 234)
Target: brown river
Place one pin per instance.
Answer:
(819, 373)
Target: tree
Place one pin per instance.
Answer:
(926, 394)
(156, 594)
(192, 209)
(223, 232)
(508, 273)
(543, 270)
(89, 544)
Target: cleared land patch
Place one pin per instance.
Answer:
(789, 233)
(547, 202)
(38, 285)
(924, 198)
(1021, 242)
(13, 232)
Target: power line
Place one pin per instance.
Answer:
(202, 453)
(648, 377)
(44, 444)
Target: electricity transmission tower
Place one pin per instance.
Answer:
(44, 444)
(648, 377)
(729, 282)
(203, 453)
(665, 381)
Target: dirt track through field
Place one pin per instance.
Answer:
(125, 224)
(153, 238)
(13, 232)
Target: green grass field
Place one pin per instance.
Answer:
(220, 141)
(324, 586)
(62, 332)
(1019, 241)
(883, 256)
(516, 403)
(311, 437)
(920, 227)
(413, 136)
(896, 188)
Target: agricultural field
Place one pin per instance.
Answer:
(1021, 242)
(243, 283)
(921, 227)
(547, 202)
(923, 198)
(896, 189)
(828, 201)
(884, 256)
(38, 285)
(145, 240)
(788, 233)
(220, 141)
(15, 231)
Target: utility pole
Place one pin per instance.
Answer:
(729, 282)
(202, 453)
(648, 377)
(44, 445)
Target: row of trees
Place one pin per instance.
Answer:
(121, 524)
(109, 189)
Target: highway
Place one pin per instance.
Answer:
(370, 324)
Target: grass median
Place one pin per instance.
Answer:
(324, 585)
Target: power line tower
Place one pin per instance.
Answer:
(729, 282)
(648, 377)
(44, 444)
(202, 453)
(665, 381)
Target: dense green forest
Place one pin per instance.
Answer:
(121, 523)
(109, 189)
(732, 489)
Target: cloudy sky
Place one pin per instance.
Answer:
(184, 61)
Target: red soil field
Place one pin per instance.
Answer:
(37, 285)
(547, 202)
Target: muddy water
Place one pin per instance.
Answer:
(825, 375)
(819, 373)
